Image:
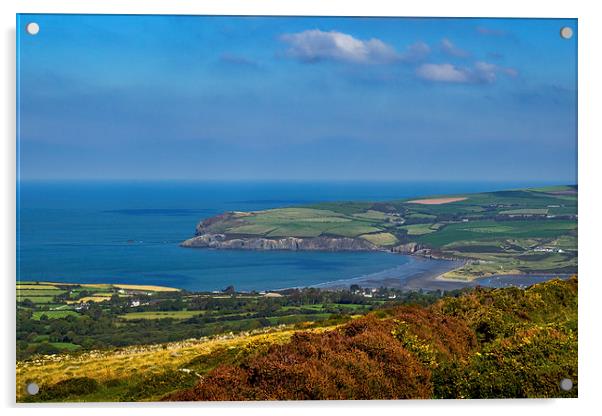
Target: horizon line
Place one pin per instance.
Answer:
(298, 180)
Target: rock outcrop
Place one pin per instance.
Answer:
(408, 248)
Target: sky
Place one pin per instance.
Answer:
(296, 98)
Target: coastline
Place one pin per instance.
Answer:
(423, 274)
(431, 278)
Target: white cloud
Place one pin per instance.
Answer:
(480, 73)
(485, 72)
(448, 47)
(442, 73)
(316, 45)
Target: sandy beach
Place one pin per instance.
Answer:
(426, 274)
(421, 273)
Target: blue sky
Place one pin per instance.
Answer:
(227, 98)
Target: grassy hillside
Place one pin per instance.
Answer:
(485, 343)
(516, 231)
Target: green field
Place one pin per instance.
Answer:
(418, 229)
(34, 286)
(36, 299)
(161, 315)
(301, 222)
(41, 292)
(526, 211)
(381, 239)
(494, 230)
(54, 314)
(66, 346)
(371, 215)
(298, 222)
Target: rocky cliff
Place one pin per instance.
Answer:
(407, 248)
(222, 241)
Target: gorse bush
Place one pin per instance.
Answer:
(153, 384)
(485, 344)
(362, 360)
(529, 364)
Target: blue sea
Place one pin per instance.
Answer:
(128, 232)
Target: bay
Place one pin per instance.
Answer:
(129, 231)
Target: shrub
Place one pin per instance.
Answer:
(367, 358)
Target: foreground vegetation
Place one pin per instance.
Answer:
(484, 343)
(505, 232)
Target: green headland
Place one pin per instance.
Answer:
(506, 232)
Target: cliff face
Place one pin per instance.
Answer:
(221, 241)
(408, 248)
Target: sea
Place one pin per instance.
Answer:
(129, 232)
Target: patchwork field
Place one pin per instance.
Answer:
(514, 231)
(302, 222)
(496, 230)
(78, 319)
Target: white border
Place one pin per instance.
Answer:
(590, 211)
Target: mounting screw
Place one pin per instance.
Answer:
(32, 28)
(566, 32)
(566, 384)
(32, 389)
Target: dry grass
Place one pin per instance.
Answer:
(436, 201)
(49, 285)
(148, 359)
(146, 287)
(86, 299)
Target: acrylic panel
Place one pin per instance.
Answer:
(295, 208)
